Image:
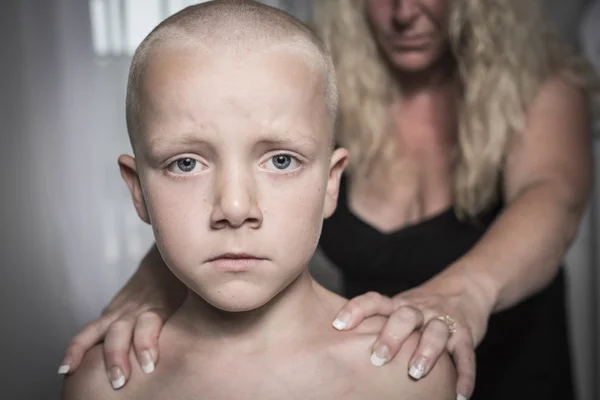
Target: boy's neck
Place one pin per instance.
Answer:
(298, 311)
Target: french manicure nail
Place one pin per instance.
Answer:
(64, 369)
(342, 320)
(380, 356)
(146, 361)
(117, 379)
(417, 369)
(461, 397)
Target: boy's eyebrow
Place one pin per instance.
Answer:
(179, 139)
(287, 138)
(161, 146)
(267, 138)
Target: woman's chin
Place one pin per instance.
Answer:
(412, 63)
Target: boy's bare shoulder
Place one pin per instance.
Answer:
(393, 378)
(439, 384)
(90, 381)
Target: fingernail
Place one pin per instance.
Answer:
(146, 361)
(461, 397)
(342, 320)
(417, 369)
(380, 356)
(64, 369)
(117, 379)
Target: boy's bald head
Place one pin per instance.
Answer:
(237, 28)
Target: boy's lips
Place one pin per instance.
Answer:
(236, 262)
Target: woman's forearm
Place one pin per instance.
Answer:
(156, 271)
(523, 249)
(154, 261)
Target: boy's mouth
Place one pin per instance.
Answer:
(236, 262)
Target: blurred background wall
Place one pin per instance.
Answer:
(70, 237)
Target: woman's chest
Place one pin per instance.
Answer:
(417, 183)
(416, 187)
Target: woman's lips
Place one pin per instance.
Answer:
(413, 41)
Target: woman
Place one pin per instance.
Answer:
(468, 128)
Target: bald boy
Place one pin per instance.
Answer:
(231, 110)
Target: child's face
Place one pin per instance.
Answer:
(235, 165)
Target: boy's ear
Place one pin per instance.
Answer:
(339, 160)
(132, 179)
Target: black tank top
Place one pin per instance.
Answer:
(525, 353)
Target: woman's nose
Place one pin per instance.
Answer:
(405, 11)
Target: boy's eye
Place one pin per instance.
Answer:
(282, 162)
(183, 166)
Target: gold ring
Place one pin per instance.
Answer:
(449, 321)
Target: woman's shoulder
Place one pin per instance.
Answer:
(560, 98)
(90, 381)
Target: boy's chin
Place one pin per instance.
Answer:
(239, 300)
(239, 307)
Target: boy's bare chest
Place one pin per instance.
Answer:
(315, 379)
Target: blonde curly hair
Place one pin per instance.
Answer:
(504, 51)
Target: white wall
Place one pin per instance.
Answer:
(34, 306)
(582, 258)
(63, 205)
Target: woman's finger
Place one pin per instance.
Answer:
(361, 307)
(116, 351)
(145, 338)
(397, 329)
(463, 353)
(432, 343)
(91, 334)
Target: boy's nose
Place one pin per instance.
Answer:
(235, 203)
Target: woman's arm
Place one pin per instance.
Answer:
(547, 181)
(138, 312)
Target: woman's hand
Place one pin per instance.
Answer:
(137, 312)
(427, 308)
